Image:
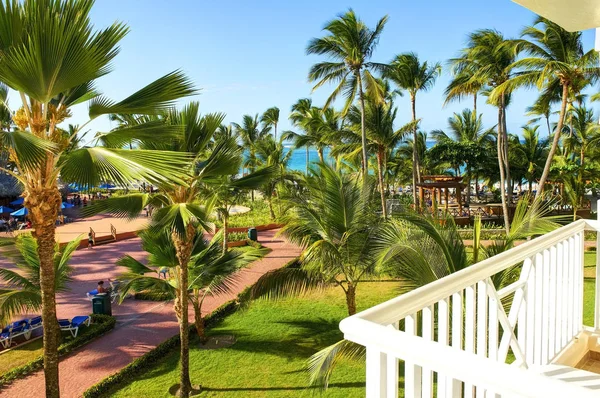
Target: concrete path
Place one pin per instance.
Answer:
(141, 325)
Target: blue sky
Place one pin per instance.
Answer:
(246, 56)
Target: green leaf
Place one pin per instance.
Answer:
(126, 206)
(155, 98)
(30, 150)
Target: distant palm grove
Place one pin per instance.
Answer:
(369, 208)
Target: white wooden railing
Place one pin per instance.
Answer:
(463, 336)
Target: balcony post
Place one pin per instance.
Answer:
(597, 299)
(376, 373)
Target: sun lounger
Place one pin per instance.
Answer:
(73, 325)
(35, 323)
(15, 329)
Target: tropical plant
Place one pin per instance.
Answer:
(412, 75)
(489, 57)
(21, 292)
(51, 58)
(251, 133)
(419, 250)
(555, 62)
(211, 272)
(335, 226)
(270, 119)
(274, 155)
(532, 150)
(350, 43)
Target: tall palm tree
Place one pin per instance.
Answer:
(489, 56)
(350, 43)
(463, 83)
(212, 272)
(555, 61)
(51, 61)
(335, 226)
(270, 119)
(412, 75)
(540, 109)
(22, 293)
(251, 133)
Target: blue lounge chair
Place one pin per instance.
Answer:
(35, 323)
(73, 325)
(15, 329)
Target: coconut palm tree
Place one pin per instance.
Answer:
(51, 62)
(335, 225)
(270, 119)
(467, 129)
(533, 150)
(463, 83)
(540, 109)
(555, 61)
(21, 292)
(212, 272)
(350, 44)
(489, 56)
(273, 154)
(412, 75)
(251, 133)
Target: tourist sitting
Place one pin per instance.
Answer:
(99, 289)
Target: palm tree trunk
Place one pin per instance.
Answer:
(559, 126)
(548, 124)
(43, 205)
(225, 225)
(351, 298)
(365, 165)
(501, 165)
(380, 177)
(271, 212)
(416, 173)
(307, 159)
(475, 103)
(198, 319)
(183, 249)
(275, 131)
(321, 157)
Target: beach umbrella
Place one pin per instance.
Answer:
(19, 213)
(572, 15)
(66, 205)
(18, 201)
(106, 186)
(4, 209)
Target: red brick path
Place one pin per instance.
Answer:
(141, 325)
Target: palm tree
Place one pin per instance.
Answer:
(350, 43)
(273, 154)
(316, 124)
(381, 137)
(251, 133)
(412, 75)
(335, 225)
(534, 152)
(555, 61)
(52, 62)
(489, 56)
(466, 128)
(21, 292)
(463, 83)
(270, 119)
(540, 109)
(212, 272)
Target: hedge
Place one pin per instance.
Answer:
(160, 351)
(100, 325)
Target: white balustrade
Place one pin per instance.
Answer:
(463, 336)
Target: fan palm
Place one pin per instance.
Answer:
(555, 60)
(335, 226)
(412, 75)
(212, 272)
(489, 56)
(22, 292)
(271, 119)
(350, 43)
(51, 58)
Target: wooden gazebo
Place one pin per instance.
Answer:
(435, 184)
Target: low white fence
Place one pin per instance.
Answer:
(464, 336)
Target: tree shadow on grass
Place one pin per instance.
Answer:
(282, 388)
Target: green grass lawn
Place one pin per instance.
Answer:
(274, 340)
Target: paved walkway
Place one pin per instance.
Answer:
(141, 325)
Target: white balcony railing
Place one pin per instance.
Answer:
(460, 336)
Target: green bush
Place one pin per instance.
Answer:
(237, 236)
(99, 326)
(152, 296)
